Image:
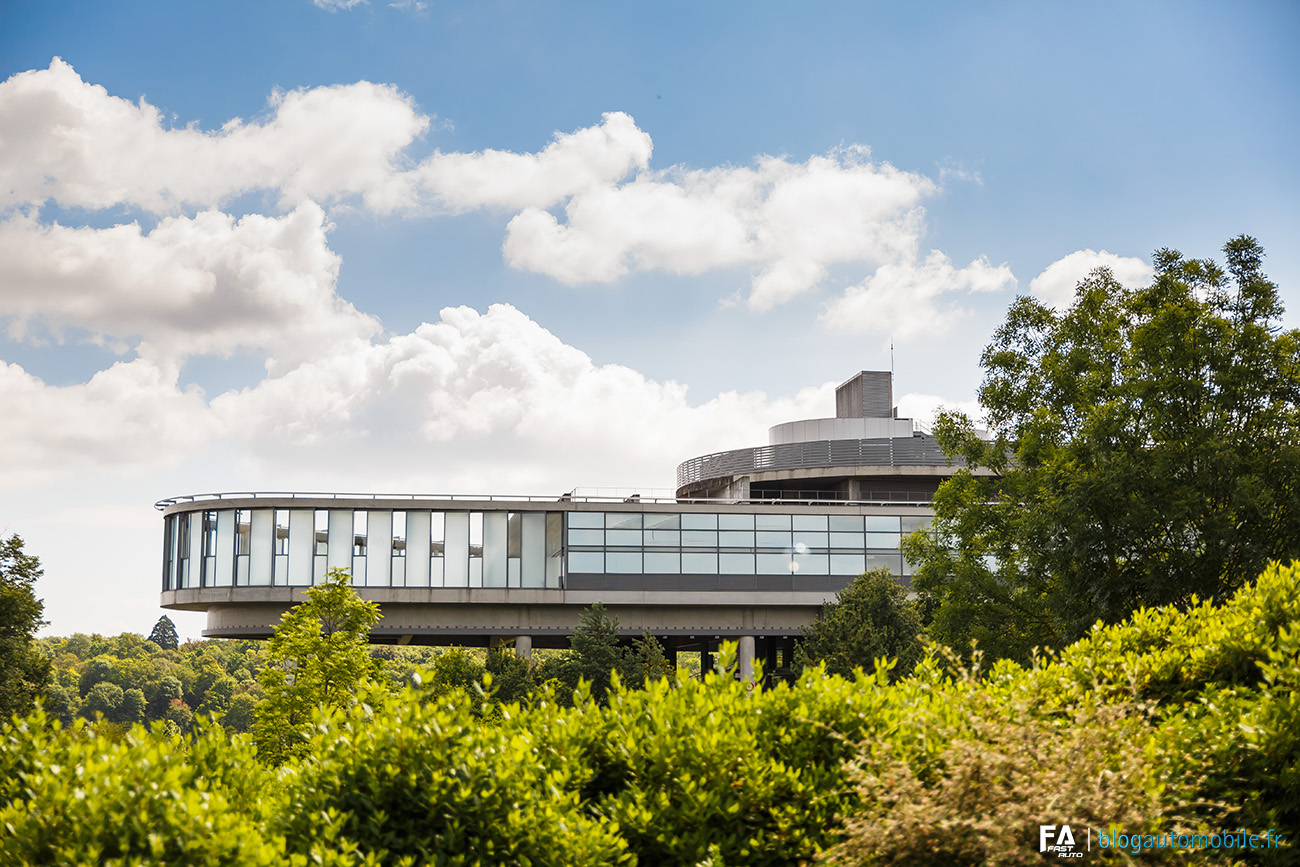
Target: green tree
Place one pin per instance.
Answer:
(133, 706)
(318, 655)
(24, 672)
(646, 662)
(164, 634)
(512, 676)
(104, 698)
(240, 715)
(870, 619)
(1146, 445)
(455, 668)
(594, 652)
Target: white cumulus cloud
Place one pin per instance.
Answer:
(906, 300)
(788, 220)
(208, 284)
(64, 139)
(473, 402)
(1055, 286)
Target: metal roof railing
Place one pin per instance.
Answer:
(917, 450)
(875, 498)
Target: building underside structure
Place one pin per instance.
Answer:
(749, 549)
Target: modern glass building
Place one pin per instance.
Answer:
(754, 542)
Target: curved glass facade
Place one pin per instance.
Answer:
(518, 548)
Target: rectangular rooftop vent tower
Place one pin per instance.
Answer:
(870, 394)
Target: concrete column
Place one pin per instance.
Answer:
(706, 660)
(745, 654)
(524, 646)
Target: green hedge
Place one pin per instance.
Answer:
(1169, 720)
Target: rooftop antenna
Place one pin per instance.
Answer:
(891, 358)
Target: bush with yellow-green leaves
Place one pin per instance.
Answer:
(1169, 720)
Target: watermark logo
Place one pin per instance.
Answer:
(1058, 840)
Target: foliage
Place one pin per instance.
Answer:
(70, 797)
(164, 634)
(413, 775)
(318, 656)
(1147, 449)
(870, 619)
(1172, 719)
(595, 654)
(24, 673)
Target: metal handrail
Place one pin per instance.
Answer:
(917, 450)
(878, 500)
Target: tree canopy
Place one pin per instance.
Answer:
(870, 619)
(164, 634)
(24, 672)
(318, 655)
(1146, 445)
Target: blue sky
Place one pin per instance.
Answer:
(743, 204)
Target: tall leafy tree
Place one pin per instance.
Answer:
(1147, 449)
(318, 655)
(594, 652)
(870, 619)
(24, 672)
(164, 634)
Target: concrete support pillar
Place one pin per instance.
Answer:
(524, 646)
(706, 660)
(745, 658)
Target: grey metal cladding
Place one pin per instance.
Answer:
(869, 394)
(915, 451)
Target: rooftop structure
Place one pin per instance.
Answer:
(755, 541)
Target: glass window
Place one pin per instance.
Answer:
(587, 519)
(663, 562)
(857, 541)
(671, 538)
(692, 521)
(623, 521)
(586, 537)
(848, 564)
(243, 532)
(663, 522)
(912, 524)
(476, 549)
(586, 561)
(622, 562)
(700, 538)
(626, 538)
(892, 562)
(281, 532)
(811, 564)
(209, 534)
(809, 541)
(696, 563)
(882, 523)
(846, 523)
(772, 539)
(882, 540)
(439, 527)
(360, 521)
(736, 539)
(735, 522)
(399, 534)
(810, 522)
(772, 522)
(735, 564)
(774, 564)
(322, 520)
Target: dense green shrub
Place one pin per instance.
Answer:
(70, 797)
(1173, 719)
(405, 777)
